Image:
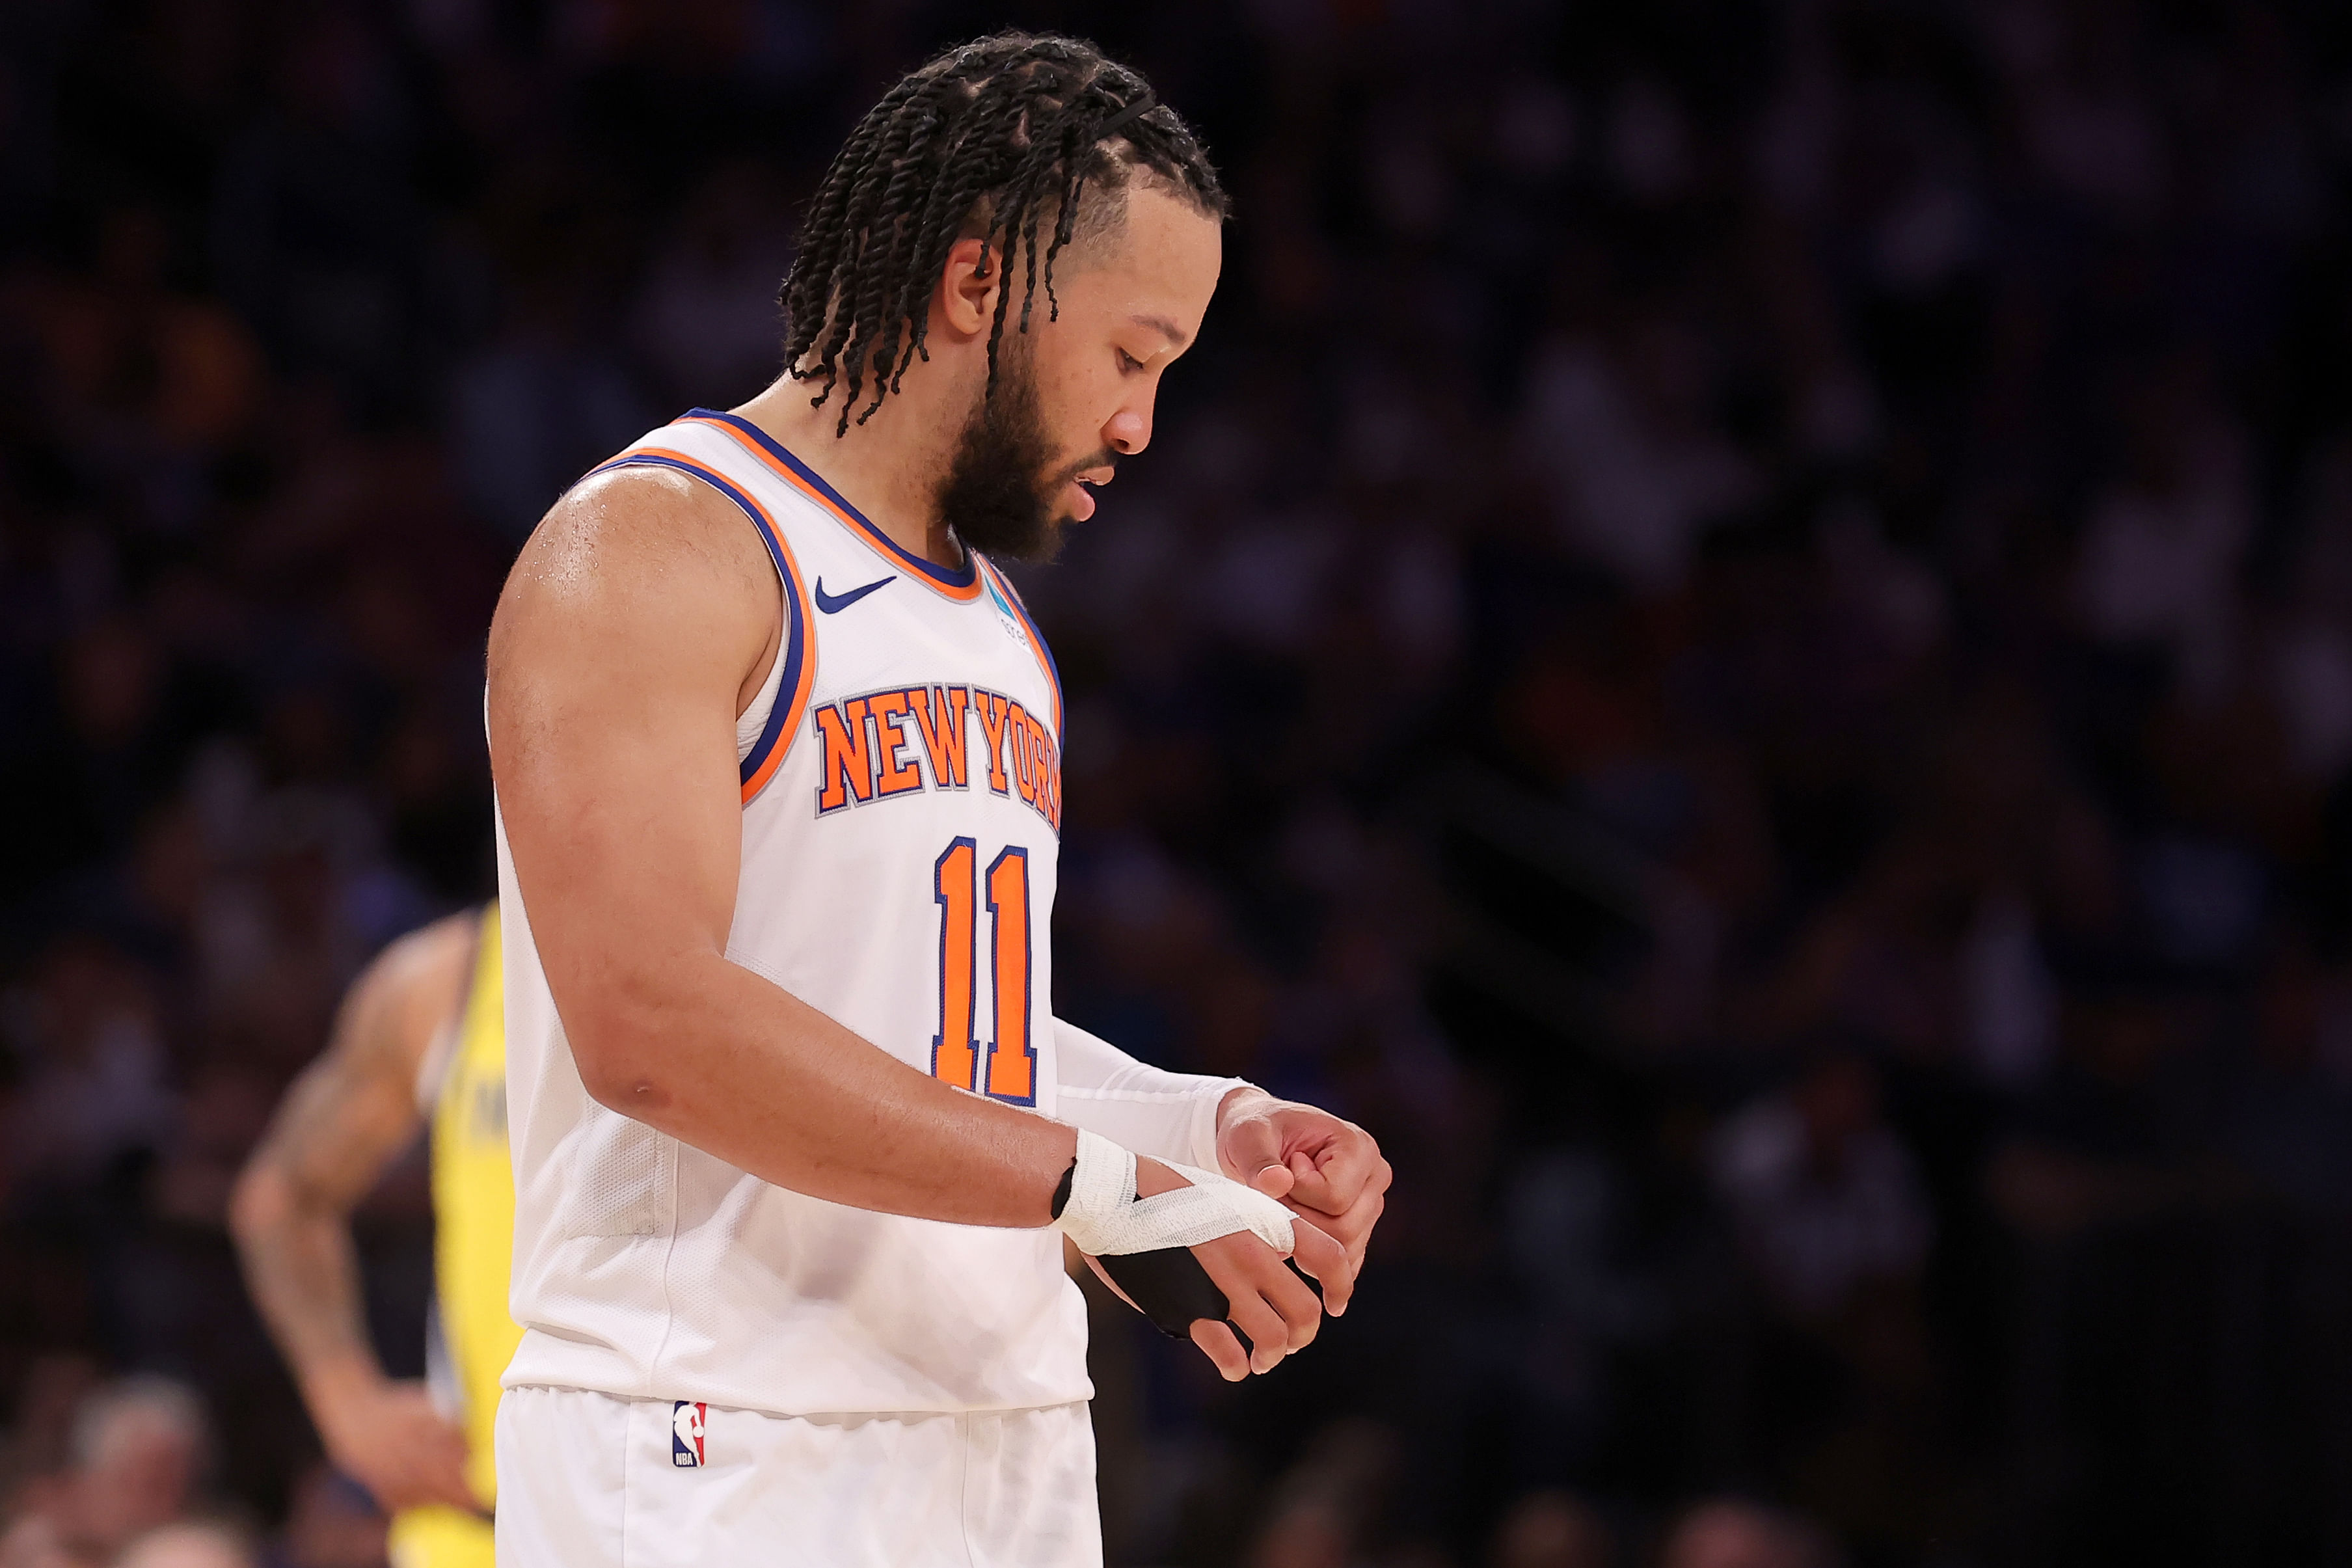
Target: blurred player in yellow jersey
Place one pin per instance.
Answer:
(422, 1035)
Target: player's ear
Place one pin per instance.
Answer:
(968, 284)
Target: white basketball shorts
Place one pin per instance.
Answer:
(586, 1481)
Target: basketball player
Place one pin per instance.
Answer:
(797, 1139)
(422, 1033)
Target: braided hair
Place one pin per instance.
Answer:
(985, 138)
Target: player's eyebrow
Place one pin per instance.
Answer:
(1164, 327)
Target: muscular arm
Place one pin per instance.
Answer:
(344, 1120)
(638, 620)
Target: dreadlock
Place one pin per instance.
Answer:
(984, 139)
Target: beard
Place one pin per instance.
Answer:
(999, 495)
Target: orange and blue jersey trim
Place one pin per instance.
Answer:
(958, 584)
(1004, 586)
(794, 647)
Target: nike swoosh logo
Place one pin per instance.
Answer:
(834, 604)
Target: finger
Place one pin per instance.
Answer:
(1346, 1228)
(1342, 1171)
(1268, 1333)
(1372, 1208)
(1224, 1351)
(1289, 1294)
(1249, 1145)
(1354, 1223)
(1328, 1262)
(1275, 1181)
(437, 1471)
(1353, 1230)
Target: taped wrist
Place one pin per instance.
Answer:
(1144, 1243)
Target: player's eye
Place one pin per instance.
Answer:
(1128, 363)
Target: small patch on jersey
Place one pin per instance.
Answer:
(1005, 617)
(688, 1418)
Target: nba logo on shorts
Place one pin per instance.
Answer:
(685, 1423)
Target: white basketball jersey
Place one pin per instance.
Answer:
(901, 776)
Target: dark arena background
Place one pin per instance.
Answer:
(1739, 638)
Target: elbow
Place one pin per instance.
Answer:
(630, 1087)
(617, 1038)
(258, 1205)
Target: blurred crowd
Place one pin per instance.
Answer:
(1738, 638)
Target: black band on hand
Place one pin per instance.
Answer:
(1062, 1188)
(1170, 1286)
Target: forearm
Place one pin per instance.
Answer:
(724, 1059)
(1167, 1115)
(304, 1275)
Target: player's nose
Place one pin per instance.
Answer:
(1128, 432)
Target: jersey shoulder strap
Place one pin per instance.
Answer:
(696, 446)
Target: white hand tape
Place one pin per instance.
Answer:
(1106, 1218)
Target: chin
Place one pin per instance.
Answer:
(1049, 544)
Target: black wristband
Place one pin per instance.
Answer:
(1062, 1188)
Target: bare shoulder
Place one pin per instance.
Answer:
(413, 987)
(633, 532)
(431, 960)
(635, 623)
(639, 579)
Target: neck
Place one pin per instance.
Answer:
(889, 468)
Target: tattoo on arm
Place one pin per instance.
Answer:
(347, 1117)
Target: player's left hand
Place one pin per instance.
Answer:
(1325, 1169)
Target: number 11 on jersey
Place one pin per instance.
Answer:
(955, 1054)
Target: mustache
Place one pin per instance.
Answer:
(1106, 459)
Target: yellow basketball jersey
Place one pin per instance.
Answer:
(473, 1219)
